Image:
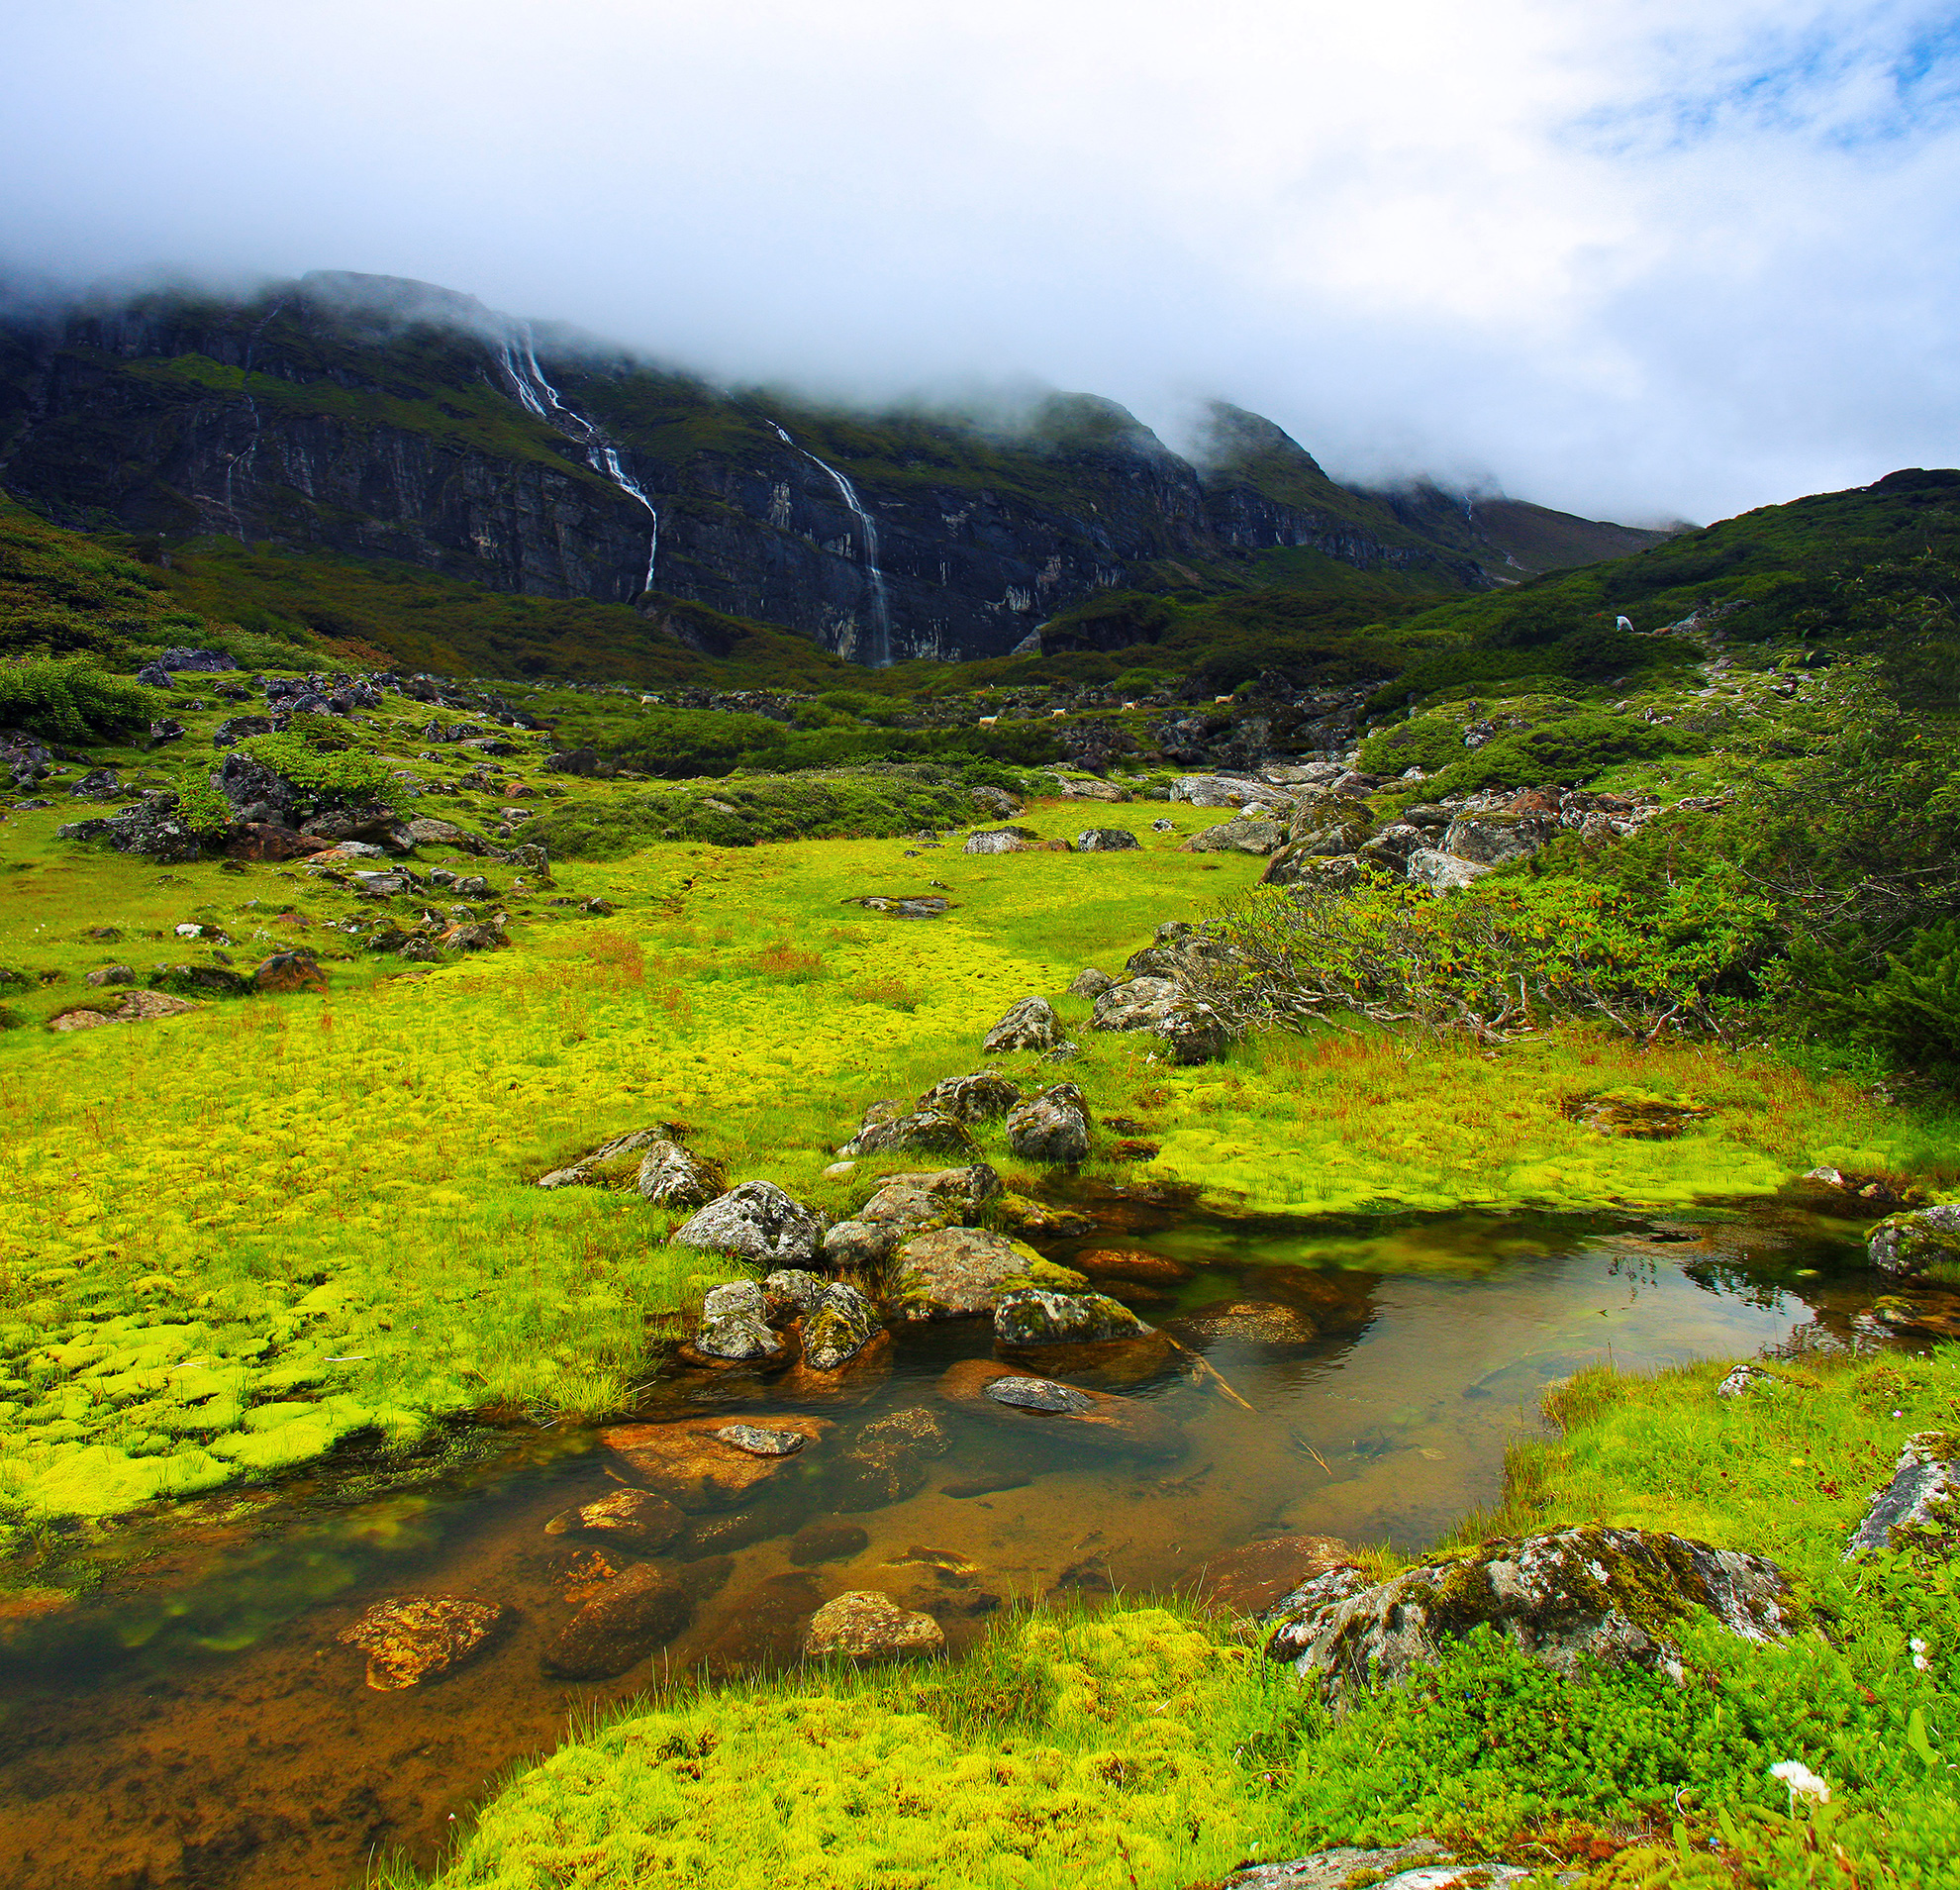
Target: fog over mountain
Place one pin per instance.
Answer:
(1633, 260)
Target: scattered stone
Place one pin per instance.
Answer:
(1037, 1394)
(1907, 1243)
(1244, 834)
(671, 1176)
(763, 1443)
(1127, 1426)
(468, 936)
(140, 1007)
(1487, 839)
(1136, 1004)
(909, 1204)
(1746, 1380)
(734, 1329)
(636, 1518)
(758, 1222)
(83, 1018)
(863, 1625)
(1421, 1866)
(1030, 1025)
(995, 801)
(111, 974)
(1249, 1323)
(979, 1097)
(411, 1639)
(1921, 1506)
(1023, 1216)
(1030, 1317)
(1131, 1266)
(827, 1542)
(289, 971)
(1090, 983)
(842, 1323)
(928, 905)
(691, 1466)
(1052, 1127)
(1569, 1599)
(1001, 840)
(1106, 840)
(637, 1611)
(792, 1293)
(923, 1132)
(889, 1462)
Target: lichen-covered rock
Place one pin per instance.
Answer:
(634, 1519)
(999, 839)
(1569, 1597)
(1030, 1025)
(1131, 1266)
(410, 1638)
(1490, 840)
(793, 1293)
(863, 1625)
(734, 1328)
(909, 1204)
(1443, 872)
(956, 1273)
(1136, 1004)
(1090, 983)
(1029, 1316)
(889, 1461)
(757, 1221)
(288, 972)
(671, 1176)
(979, 1097)
(930, 1132)
(1052, 1127)
(638, 1610)
(843, 1323)
(1105, 840)
(1921, 1503)
(1907, 1243)
(1246, 834)
(1422, 1865)
(1014, 1399)
(695, 1468)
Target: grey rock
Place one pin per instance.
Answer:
(1031, 1316)
(1001, 840)
(1443, 872)
(957, 1272)
(670, 1176)
(1037, 1394)
(1136, 1004)
(1051, 1127)
(1568, 1599)
(1106, 840)
(1090, 983)
(1422, 1865)
(1907, 1244)
(757, 1221)
(758, 1443)
(924, 1131)
(793, 1293)
(1030, 1025)
(1745, 1380)
(1490, 840)
(1247, 834)
(865, 1625)
(1923, 1497)
(840, 1326)
(996, 801)
(111, 974)
(979, 1097)
(1215, 790)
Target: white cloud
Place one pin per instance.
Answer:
(1633, 258)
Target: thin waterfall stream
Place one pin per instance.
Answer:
(881, 612)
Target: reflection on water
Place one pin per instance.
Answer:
(205, 1727)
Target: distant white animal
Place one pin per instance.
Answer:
(1221, 698)
(1622, 623)
(987, 722)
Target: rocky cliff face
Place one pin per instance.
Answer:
(382, 419)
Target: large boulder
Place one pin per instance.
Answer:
(906, 1205)
(1921, 1505)
(697, 1465)
(734, 1329)
(1568, 1599)
(1016, 1399)
(257, 791)
(1215, 791)
(1244, 834)
(978, 1097)
(757, 1221)
(1105, 840)
(1907, 1243)
(149, 831)
(956, 1273)
(863, 1625)
(1136, 1004)
(1490, 840)
(931, 1132)
(838, 1327)
(410, 1638)
(1441, 872)
(671, 1176)
(638, 1610)
(1030, 1025)
(1030, 1317)
(1001, 840)
(1052, 1127)
(1090, 983)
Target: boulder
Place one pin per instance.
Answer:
(925, 1131)
(638, 1610)
(1245, 834)
(1030, 1316)
(140, 1007)
(843, 1323)
(470, 936)
(1052, 1127)
(150, 830)
(979, 1097)
(889, 1462)
(1921, 1506)
(1003, 840)
(822, 1541)
(862, 1625)
(1253, 1578)
(1215, 791)
(1130, 1266)
(261, 839)
(111, 974)
(1443, 872)
(1136, 1004)
(1907, 1244)
(1105, 840)
(1294, 866)
(1569, 1599)
(995, 802)
(909, 1204)
(410, 1638)
(758, 1222)
(234, 729)
(1488, 840)
(671, 1176)
(792, 1293)
(1090, 983)
(1249, 1322)
(1012, 1398)
(634, 1519)
(956, 1273)
(256, 791)
(289, 971)
(693, 1466)
(734, 1329)
(1030, 1025)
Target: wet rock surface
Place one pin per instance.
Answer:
(692, 1468)
(956, 1273)
(1567, 1598)
(1256, 1576)
(635, 1612)
(1030, 1318)
(889, 1461)
(411, 1639)
(866, 1626)
(1249, 1322)
(1106, 1422)
(634, 1519)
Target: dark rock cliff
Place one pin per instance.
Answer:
(380, 419)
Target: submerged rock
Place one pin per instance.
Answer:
(410, 1638)
(691, 1466)
(1252, 1579)
(758, 1222)
(634, 1519)
(822, 1541)
(1907, 1243)
(1921, 1503)
(1245, 1321)
(1568, 1599)
(1058, 1409)
(1030, 1025)
(889, 1461)
(864, 1626)
(637, 1611)
(1131, 1266)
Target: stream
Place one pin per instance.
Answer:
(196, 1723)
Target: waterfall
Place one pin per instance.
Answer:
(881, 610)
(520, 362)
(257, 424)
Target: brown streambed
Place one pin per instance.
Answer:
(200, 1724)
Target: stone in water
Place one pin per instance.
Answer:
(763, 1443)
(1037, 1394)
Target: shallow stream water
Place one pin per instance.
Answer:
(197, 1722)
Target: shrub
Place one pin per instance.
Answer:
(1563, 753)
(351, 777)
(70, 699)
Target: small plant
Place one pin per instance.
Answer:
(71, 699)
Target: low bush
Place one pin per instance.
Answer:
(71, 699)
(352, 776)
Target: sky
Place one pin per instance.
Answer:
(1635, 258)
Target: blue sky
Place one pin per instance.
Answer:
(1638, 260)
